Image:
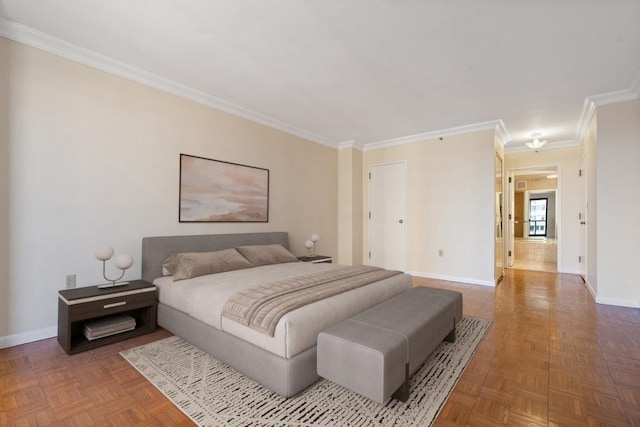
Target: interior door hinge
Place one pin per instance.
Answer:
(580, 259)
(369, 215)
(369, 254)
(509, 180)
(579, 172)
(369, 175)
(509, 253)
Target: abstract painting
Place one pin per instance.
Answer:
(218, 191)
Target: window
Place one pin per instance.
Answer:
(538, 217)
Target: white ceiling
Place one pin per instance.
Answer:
(361, 70)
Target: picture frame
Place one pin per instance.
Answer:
(219, 191)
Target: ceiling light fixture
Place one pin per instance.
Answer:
(536, 143)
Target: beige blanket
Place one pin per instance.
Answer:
(262, 307)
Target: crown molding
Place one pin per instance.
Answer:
(547, 147)
(42, 41)
(593, 101)
(39, 40)
(345, 145)
(503, 134)
(428, 136)
(613, 97)
(588, 110)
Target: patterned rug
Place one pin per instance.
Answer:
(213, 394)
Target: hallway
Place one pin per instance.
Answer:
(525, 264)
(552, 356)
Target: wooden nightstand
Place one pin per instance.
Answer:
(316, 259)
(81, 305)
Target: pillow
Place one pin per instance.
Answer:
(266, 254)
(194, 264)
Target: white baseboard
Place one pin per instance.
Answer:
(452, 278)
(27, 337)
(570, 271)
(620, 302)
(590, 288)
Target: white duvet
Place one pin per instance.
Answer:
(204, 297)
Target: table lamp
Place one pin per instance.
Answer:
(104, 253)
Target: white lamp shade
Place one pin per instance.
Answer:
(308, 244)
(315, 238)
(103, 253)
(124, 261)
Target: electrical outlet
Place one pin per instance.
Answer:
(440, 252)
(71, 281)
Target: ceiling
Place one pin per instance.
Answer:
(361, 70)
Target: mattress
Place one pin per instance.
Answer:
(204, 297)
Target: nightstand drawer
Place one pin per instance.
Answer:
(105, 307)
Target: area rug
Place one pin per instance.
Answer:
(213, 394)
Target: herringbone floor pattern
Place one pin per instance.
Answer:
(552, 358)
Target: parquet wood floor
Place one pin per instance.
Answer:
(552, 358)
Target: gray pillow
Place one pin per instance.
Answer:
(194, 264)
(266, 254)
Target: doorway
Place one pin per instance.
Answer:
(534, 229)
(387, 216)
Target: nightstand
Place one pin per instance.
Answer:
(78, 306)
(316, 259)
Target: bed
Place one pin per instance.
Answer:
(284, 363)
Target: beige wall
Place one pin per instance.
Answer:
(95, 160)
(4, 182)
(350, 206)
(450, 197)
(618, 227)
(568, 198)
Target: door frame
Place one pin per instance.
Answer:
(511, 195)
(500, 205)
(405, 209)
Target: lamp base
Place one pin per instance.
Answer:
(112, 285)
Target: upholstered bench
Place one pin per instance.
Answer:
(364, 358)
(374, 353)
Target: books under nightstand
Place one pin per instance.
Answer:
(91, 317)
(107, 326)
(316, 259)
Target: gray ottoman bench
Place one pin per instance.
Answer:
(375, 352)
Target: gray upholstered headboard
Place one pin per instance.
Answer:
(157, 249)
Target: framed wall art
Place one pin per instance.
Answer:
(218, 191)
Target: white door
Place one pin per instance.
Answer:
(582, 217)
(388, 216)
